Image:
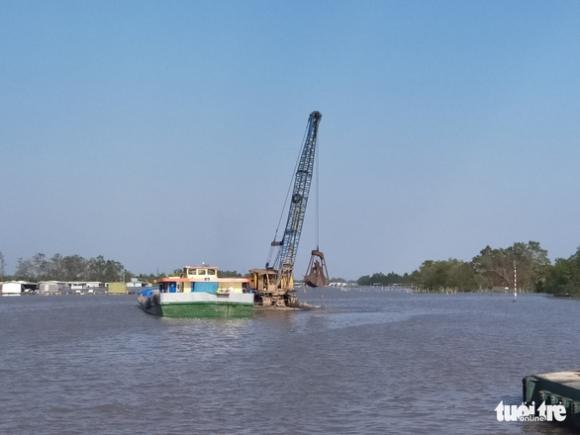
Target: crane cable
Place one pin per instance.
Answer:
(323, 304)
(288, 192)
(317, 227)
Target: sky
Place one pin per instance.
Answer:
(165, 133)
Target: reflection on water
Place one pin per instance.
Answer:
(370, 361)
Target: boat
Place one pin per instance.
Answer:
(556, 388)
(198, 292)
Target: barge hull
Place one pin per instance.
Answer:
(206, 310)
(554, 389)
(197, 305)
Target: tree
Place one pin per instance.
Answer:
(495, 267)
(229, 274)
(432, 275)
(380, 279)
(461, 276)
(23, 269)
(563, 278)
(70, 268)
(96, 268)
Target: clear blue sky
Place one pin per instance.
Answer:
(164, 133)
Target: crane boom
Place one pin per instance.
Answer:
(286, 257)
(274, 285)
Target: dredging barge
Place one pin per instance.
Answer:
(198, 292)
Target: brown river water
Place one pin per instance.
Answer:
(369, 361)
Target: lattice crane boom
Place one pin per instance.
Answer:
(274, 285)
(286, 256)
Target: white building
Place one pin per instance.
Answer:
(16, 288)
(52, 288)
(84, 285)
(134, 283)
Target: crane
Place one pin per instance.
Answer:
(274, 285)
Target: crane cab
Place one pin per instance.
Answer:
(264, 280)
(270, 290)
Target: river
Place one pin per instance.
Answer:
(370, 361)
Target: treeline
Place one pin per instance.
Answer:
(493, 268)
(384, 280)
(563, 278)
(59, 267)
(229, 274)
(41, 267)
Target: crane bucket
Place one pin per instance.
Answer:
(316, 274)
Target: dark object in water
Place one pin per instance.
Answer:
(557, 388)
(316, 274)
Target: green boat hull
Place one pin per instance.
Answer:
(191, 310)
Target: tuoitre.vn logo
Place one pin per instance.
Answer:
(525, 412)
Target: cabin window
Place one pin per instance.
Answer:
(192, 271)
(211, 271)
(201, 271)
